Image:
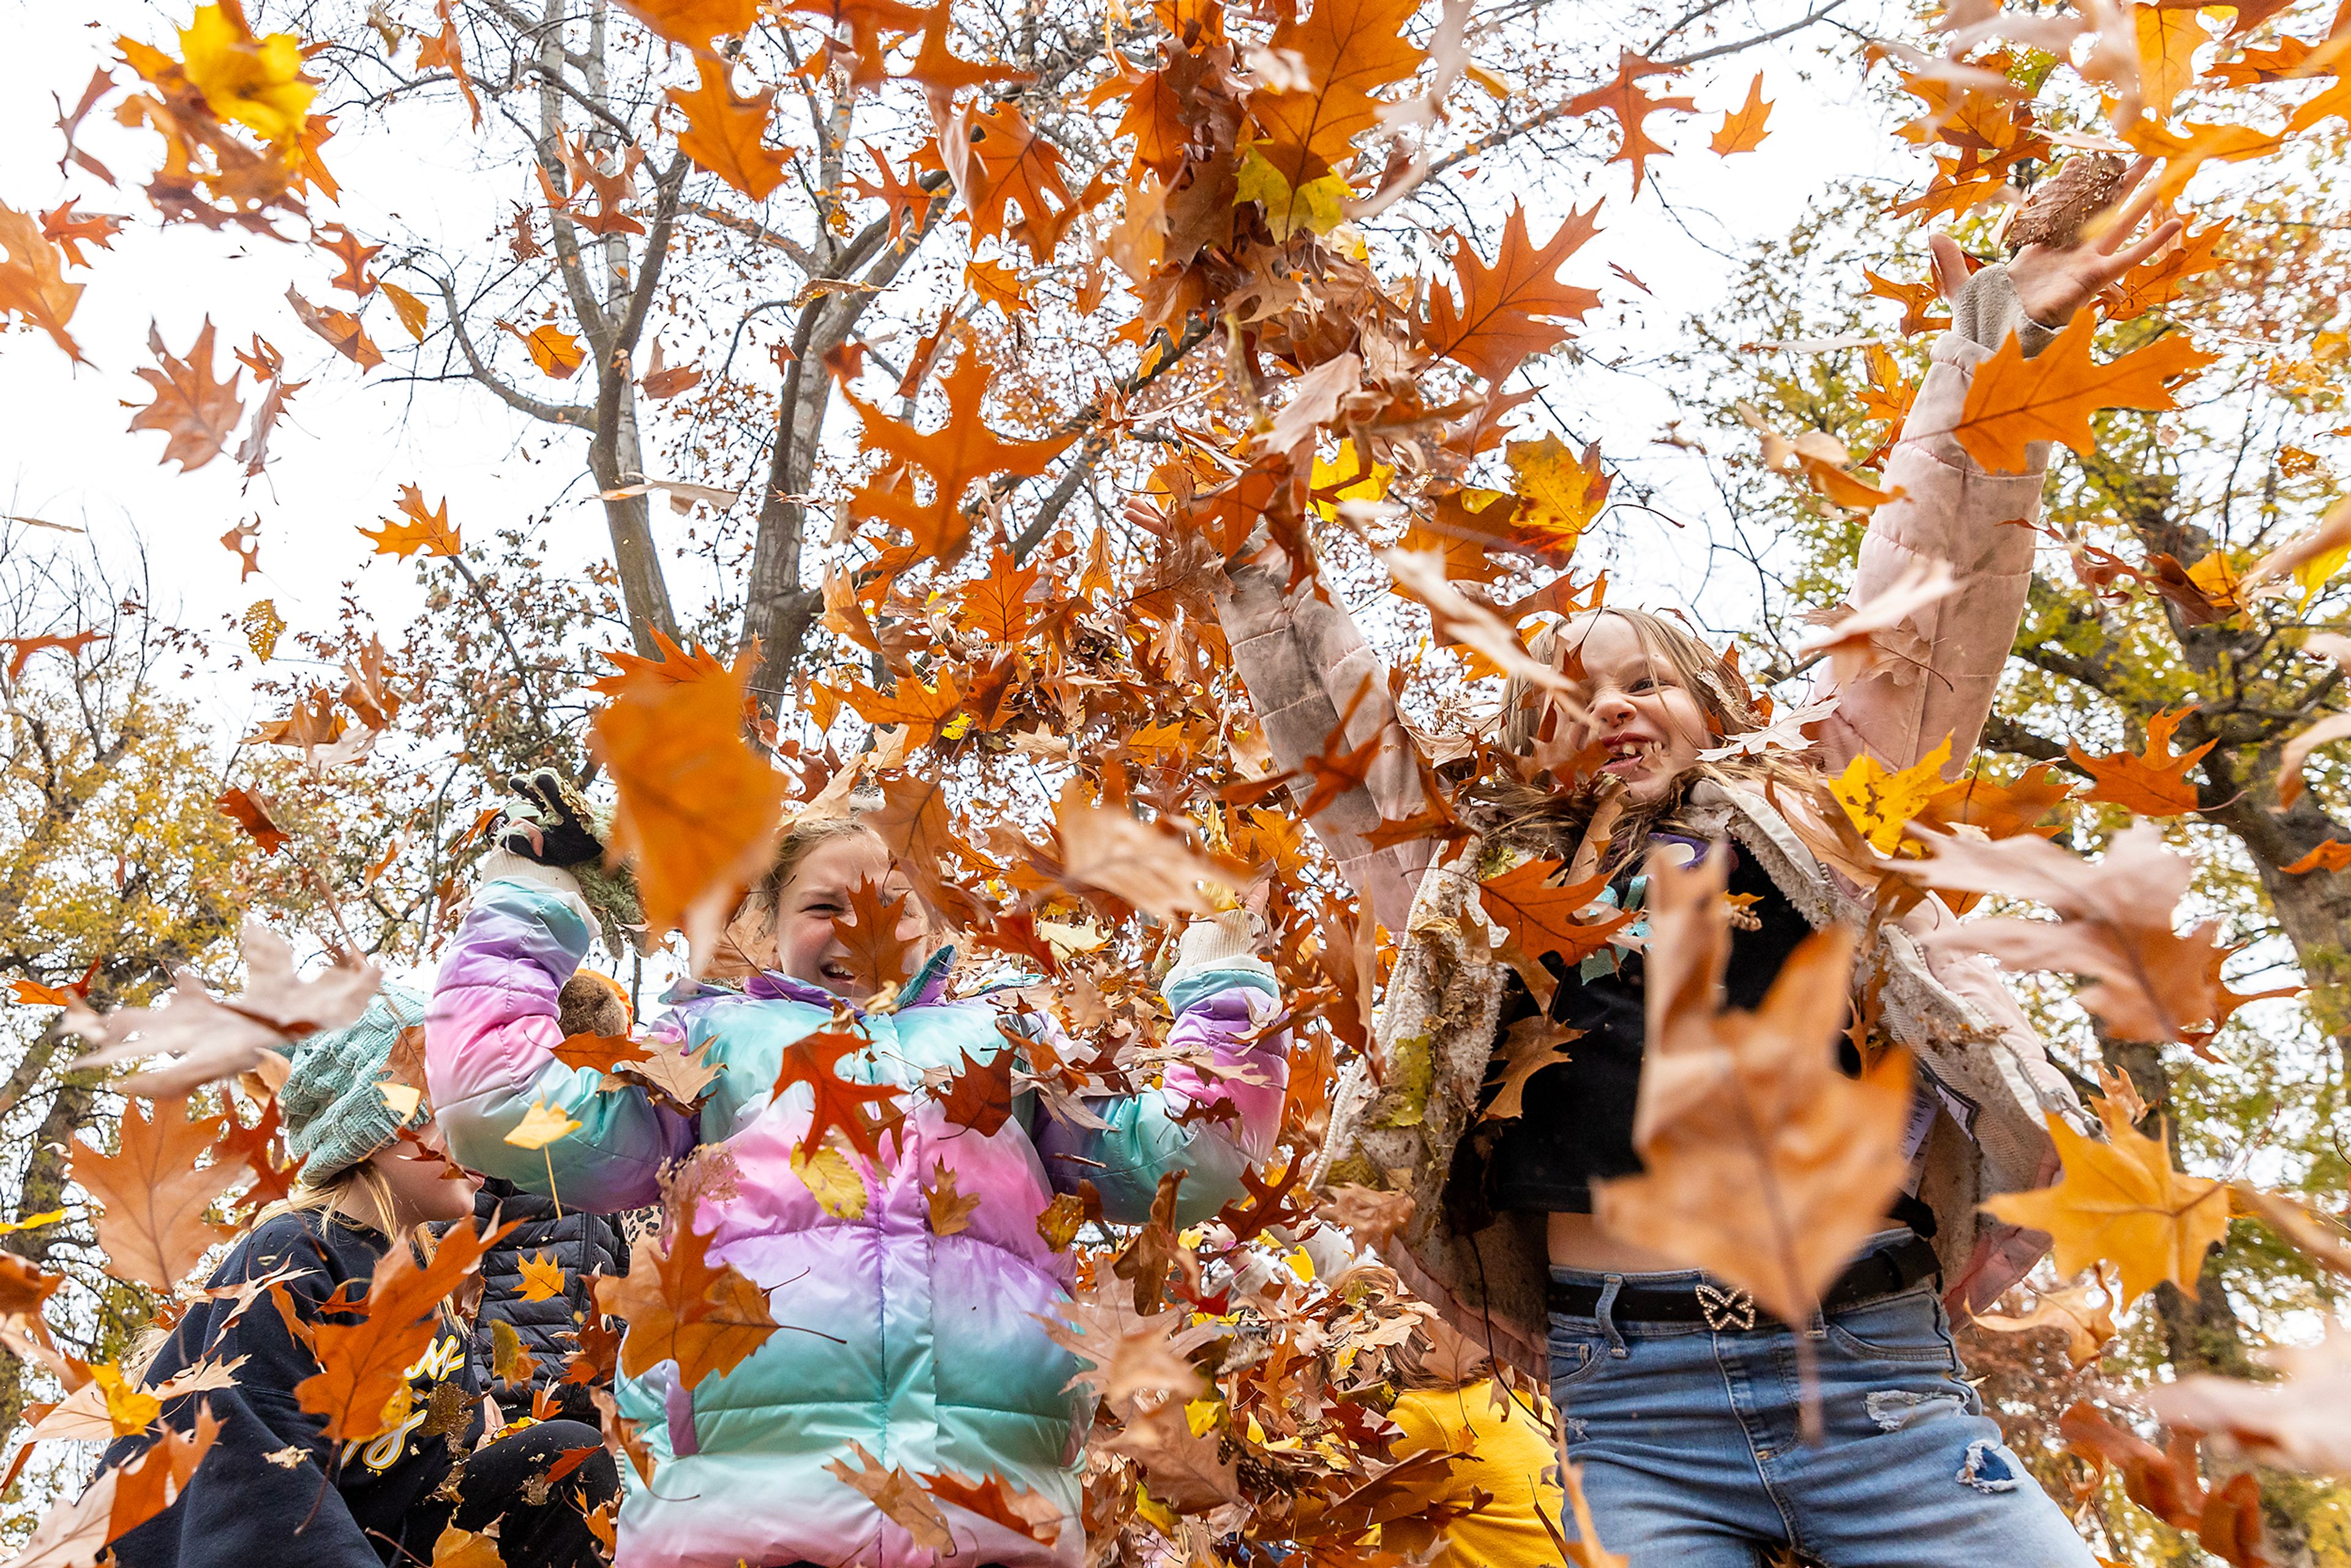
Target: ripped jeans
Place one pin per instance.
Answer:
(1689, 1442)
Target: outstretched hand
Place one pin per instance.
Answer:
(2053, 281)
(545, 822)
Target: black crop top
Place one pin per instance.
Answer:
(1578, 1124)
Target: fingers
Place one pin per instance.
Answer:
(2139, 198)
(2165, 233)
(1142, 514)
(1950, 266)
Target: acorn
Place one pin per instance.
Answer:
(2083, 186)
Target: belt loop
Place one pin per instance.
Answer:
(1607, 1322)
(1818, 1329)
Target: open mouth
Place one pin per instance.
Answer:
(836, 972)
(1626, 753)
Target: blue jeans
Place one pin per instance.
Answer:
(1691, 1456)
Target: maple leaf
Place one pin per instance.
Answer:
(70, 230)
(912, 821)
(1764, 1163)
(540, 1125)
(2160, 279)
(154, 1227)
(339, 327)
(1420, 575)
(679, 1077)
(680, 1308)
(999, 1501)
(2334, 855)
(1517, 306)
(2000, 810)
(220, 1038)
(255, 82)
(1559, 496)
(2154, 783)
(727, 134)
(337, 241)
(2121, 1202)
(363, 1366)
(698, 809)
(22, 649)
(696, 22)
(1371, 1215)
(2052, 396)
(920, 708)
(32, 279)
(1743, 128)
(814, 1059)
(962, 450)
(196, 412)
(555, 352)
(997, 606)
(601, 1052)
(1350, 50)
(2084, 1313)
(1009, 162)
(121, 1500)
(900, 1498)
(1531, 1045)
(877, 956)
(1106, 850)
(1624, 97)
(937, 67)
(1879, 802)
(2146, 981)
(979, 1095)
(902, 199)
(251, 812)
(950, 1209)
(445, 51)
(542, 1277)
(1917, 301)
(1542, 918)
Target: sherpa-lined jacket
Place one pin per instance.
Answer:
(1306, 665)
(925, 1348)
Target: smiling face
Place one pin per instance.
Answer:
(1641, 709)
(804, 944)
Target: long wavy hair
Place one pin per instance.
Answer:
(1555, 819)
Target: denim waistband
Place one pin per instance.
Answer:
(1672, 1278)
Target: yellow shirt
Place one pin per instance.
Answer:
(1511, 1456)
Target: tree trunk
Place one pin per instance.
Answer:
(615, 461)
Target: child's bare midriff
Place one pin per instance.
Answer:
(1578, 1242)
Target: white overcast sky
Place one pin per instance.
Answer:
(66, 455)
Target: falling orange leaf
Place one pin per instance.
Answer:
(154, 1195)
(698, 809)
(251, 812)
(727, 134)
(555, 352)
(339, 328)
(1624, 97)
(363, 1366)
(696, 22)
(425, 531)
(197, 412)
(1743, 128)
(1541, 916)
(32, 279)
(2334, 855)
(2014, 400)
(679, 1306)
(1516, 306)
(22, 649)
(2154, 783)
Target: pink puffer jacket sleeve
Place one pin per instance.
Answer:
(1951, 510)
(1306, 666)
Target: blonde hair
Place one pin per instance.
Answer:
(801, 840)
(1516, 809)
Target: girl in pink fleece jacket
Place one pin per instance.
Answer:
(925, 1348)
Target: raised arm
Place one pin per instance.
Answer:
(488, 1036)
(1953, 511)
(1307, 667)
(1223, 996)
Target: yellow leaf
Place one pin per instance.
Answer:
(2121, 1202)
(402, 1099)
(541, 1125)
(408, 307)
(1315, 206)
(542, 1277)
(1561, 494)
(1880, 802)
(130, 1409)
(2169, 37)
(950, 1209)
(32, 1222)
(833, 1182)
(455, 1548)
(256, 82)
(2218, 582)
(1343, 479)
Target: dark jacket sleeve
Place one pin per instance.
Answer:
(241, 1507)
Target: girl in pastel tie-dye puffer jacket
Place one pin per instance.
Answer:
(926, 1349)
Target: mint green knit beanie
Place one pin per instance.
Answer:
(335, 1113)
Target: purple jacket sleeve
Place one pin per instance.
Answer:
(487, 1037)
(1223, 996)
